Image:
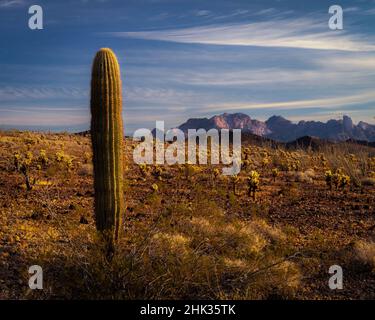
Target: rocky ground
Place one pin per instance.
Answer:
(191, 224)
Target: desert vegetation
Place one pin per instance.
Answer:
(271, 232)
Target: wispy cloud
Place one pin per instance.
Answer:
(307, 33)
(269, 76)
(48, 116)
(27, 92)
(351, 9)
(362, 64)
(321, 103)
(266, 11)
(203, 13)
(11, 3)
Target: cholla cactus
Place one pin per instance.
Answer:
(143, 169)
(253, 183)
(68, 163)
(87, 157)
(216, 172)
(43, 159)
(64, 160)
(234, 179)
(59, 156)
(157, 173)
(336, 177)
(344, 181)
(22, 164)
(266, 161)
(17, 161)
(275, 174)
(155, 187)
(328, 178)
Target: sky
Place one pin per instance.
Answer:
(185, 59)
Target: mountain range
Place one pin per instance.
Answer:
(281, 129)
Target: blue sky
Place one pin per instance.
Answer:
(188, 58)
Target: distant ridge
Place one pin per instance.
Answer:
(228, 121)
(280, 129)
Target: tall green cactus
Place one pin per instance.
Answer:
(107, 142)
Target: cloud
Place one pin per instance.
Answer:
(321, 103)
(266, 11)
(370, 11)
(269, 76)
(44, 116)
(306, 33)
(158, 95)
(351, 9)
(202, 13)
(362, 64)
(11, 3)
(9, 93)
(292, 69)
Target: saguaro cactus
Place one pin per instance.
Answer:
(107, 142)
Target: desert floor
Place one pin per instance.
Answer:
(188, 233)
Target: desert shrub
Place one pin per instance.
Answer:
(85, 170)
(356, 167)
(365, 253)
(303, 176)
(52, 171)
(299, 177)
(192, 251)
(212, 256)
(310, 173)
(368, 181)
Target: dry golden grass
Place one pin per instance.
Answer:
(187, 233)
